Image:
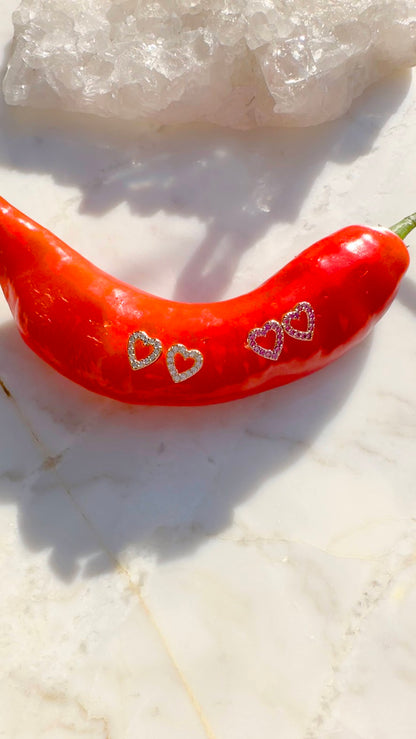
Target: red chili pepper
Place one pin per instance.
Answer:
(126, 344)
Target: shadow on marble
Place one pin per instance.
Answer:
(238, 184)
(156, 483)
(407, 294)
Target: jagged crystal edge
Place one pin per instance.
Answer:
(239, 63)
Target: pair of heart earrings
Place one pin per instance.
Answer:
(279, 330)
(156, 344)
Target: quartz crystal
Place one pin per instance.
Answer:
(239, 63)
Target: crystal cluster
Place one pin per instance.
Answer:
(240, 63)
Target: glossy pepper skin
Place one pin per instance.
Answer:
(79, 319)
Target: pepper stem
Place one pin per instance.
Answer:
(405, 226)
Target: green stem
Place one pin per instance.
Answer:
(405, 226)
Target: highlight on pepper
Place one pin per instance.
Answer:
(125, 344)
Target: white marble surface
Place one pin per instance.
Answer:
(235, 572)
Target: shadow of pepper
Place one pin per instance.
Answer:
(159, 481)
(407, 294)
(236, 184)
(152, 482)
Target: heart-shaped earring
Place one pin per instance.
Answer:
(142, 336)
(186, 354)
(293, 315)
(257, 333)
